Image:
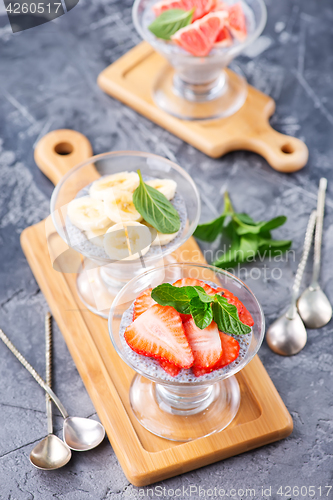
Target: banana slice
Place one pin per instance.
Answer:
(165, 186)
(119, 207)
(161, 238)
(126, 181)
(86, 214)
(96, 236)
(125, 240)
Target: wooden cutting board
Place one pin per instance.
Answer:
(131, 78)
(145, 458)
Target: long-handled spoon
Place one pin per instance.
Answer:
(313, 305)
(80, 434)
(287, 335)
(50, 453)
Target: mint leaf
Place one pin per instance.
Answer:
(259, 227)
(203, 296)
(169, 295)
(248, 247)
(203, 307)
(226, 317)
(246, 219)
(169, 22)
(209, 231)
(155, 208)
(201, 312)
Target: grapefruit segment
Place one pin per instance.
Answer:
(224, 38)
(199, 38)
(237, 22)
(164, 5)
(201, 7)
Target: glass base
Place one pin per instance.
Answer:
(217, 99)
(98, 286)
(184, 413)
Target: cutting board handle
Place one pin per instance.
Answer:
(283, 152)
(59, 151)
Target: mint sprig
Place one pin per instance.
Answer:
(204, 308)
(247, 238)
(169, 22)
(155, 208)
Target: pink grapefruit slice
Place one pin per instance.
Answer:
(199, 38)
(201, 7)
(237, 21)
(224, 38)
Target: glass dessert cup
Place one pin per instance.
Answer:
(99, 278)
(175, 409)
(200, 88)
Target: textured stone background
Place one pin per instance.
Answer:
(48, 81)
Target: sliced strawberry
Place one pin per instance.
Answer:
(230, 351)
(159, 333)
(205, 344)
(142, 303)
(237, 21)
(194, 282)
(170, 368)
(243, 313)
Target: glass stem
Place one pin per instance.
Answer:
(184, 400)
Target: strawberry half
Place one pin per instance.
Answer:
(170, 368)
(243, 313)
(194, 282)
(159, 333)
(205, 344)
(230, 351)
(142, 303)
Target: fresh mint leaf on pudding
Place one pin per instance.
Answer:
(170, 21)
(155, 208)
(204, 308)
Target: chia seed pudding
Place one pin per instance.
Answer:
(83, 245)
(151, 366)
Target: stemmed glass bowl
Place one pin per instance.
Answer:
(180, 408)
(99, 278)
(200, 88)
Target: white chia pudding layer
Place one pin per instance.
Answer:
(83, 245)
(151, 366)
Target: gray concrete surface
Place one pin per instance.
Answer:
(48, 81)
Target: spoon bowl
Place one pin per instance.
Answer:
(51, 453)
(287, 336)
(314, 307)
(82, 434)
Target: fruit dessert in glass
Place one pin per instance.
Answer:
(125, 212)
(199, 39)
(186, 330)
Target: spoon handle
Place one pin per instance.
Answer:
(319, 231)
(33, 372)
(48, 359)
(301, 266)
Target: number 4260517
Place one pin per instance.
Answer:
(33, 8)
(304, 491)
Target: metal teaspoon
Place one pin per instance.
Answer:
(80, 434)
(313, 305)
(50, 453)
(287, 335)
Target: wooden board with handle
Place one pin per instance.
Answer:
(145, 458)
(131, 78)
